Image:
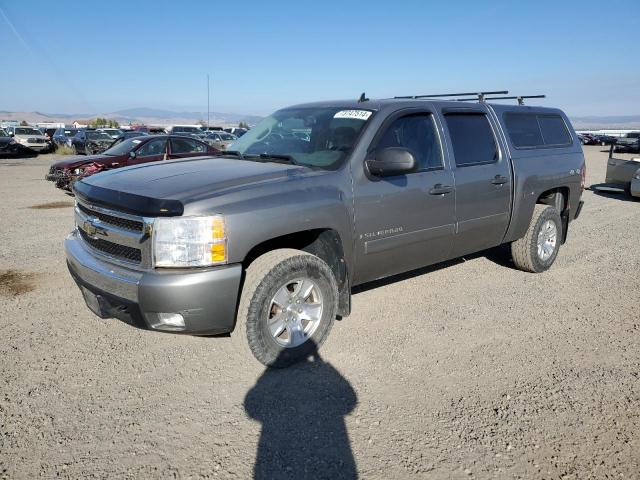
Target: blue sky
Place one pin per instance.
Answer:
(98, 57)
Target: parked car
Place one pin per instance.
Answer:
(134, 151)
(268, 240)
(623, 172)
(630, 143)
(112, 132)
(177, 129)
(238, 132)
(127, 134)
(605, 139)
(63, 136)
(8, 146)
(29, 138)
(220, 140)
(90, 142)
(588, 139)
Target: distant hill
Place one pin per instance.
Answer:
(148, 116)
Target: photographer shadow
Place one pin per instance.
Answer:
(302, 410)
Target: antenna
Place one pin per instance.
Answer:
(363, 98)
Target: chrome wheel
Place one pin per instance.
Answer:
(295, 312)
(547, 239)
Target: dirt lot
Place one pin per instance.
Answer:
(467, 370)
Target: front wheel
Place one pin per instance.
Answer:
(287, 307)
(538, 249)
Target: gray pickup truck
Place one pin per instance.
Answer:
(267, 239)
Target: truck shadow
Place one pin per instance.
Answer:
(302, 410)
(499, 255)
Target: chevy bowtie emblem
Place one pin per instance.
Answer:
(91, 229)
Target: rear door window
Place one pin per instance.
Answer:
(472, 139)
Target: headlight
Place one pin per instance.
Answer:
(78, 171)
(189, 241)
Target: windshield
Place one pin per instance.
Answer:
(3, 133)
(633, 135)
(112, 131)
(98, 136)
(27, 131)
(122, 147)
(70, 133)
(228, 136)
(320, 137)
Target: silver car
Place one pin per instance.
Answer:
(29, 137)
(220, 140)
(624, 170)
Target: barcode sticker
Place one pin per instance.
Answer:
(357, 114)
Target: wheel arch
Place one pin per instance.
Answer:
(326, 244)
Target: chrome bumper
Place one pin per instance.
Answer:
(206, 298)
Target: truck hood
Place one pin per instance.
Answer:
(165, 187)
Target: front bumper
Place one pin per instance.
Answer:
(206, 298)
(61, 178)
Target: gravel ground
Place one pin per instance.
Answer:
(470, 369)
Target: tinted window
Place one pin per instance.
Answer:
(554, 131)
(153, 147)
(523, 129)
(416, 133)
(472, 139)
(185, 145)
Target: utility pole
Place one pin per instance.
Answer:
(207, 102)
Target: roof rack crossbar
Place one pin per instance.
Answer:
(520, 98)
(480, 95)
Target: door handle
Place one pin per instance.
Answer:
(439, 189)
(499, 180)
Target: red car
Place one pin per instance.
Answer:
(124, 153)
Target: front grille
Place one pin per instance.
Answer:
(35, 140)
(119, 251)
(124, 223)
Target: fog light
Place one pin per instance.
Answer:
(168, 321)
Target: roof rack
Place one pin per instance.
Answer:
(520, 98)
(480, 95)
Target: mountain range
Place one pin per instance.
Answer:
(148, 116)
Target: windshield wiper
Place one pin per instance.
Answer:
(231, 153)
(277, 157)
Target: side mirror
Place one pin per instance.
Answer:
(391, 161)
(132, 155)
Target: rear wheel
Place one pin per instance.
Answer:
(287, 307)
(538, 249)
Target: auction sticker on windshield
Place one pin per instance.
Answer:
(359, 114)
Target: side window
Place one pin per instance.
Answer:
(523, 129)
(417, 133)
(185, 145)
(554, 131)
(472, 139)
(154, 147)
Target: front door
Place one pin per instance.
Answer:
(483, 181)
(406, 221)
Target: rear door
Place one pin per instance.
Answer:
(182, 147)
(405, 221)
(482, 176)
(151, 151)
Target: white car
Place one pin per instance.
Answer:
(29, 137)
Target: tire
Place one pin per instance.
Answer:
(526, 253)
(273, 280)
